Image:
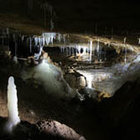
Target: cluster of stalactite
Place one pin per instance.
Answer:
(31, 45)
(25, 45)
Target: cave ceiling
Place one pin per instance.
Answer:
(71, 14)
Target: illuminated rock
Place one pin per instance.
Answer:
(75, 80)
(57, 129)
(13, 118)
(102, 95)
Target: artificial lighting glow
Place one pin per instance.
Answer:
(89, 80)
(88, 76)
(95, 76)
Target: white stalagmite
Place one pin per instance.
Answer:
(13, 118)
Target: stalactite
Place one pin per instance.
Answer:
(98, 49)
(90, 51)
(48, 11)
(125, 50)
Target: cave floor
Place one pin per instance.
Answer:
(35, 104)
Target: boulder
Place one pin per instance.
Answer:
(47, 129)
(75, 79)
(59, 130)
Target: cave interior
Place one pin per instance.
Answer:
(69, 69)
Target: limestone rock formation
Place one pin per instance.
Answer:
(43, 130)
(57, 129)
(75, 79)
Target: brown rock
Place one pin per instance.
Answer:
(75, 80)
(57, 129)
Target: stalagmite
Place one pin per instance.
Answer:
(13, 118)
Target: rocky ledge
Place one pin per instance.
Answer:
(46, 129)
